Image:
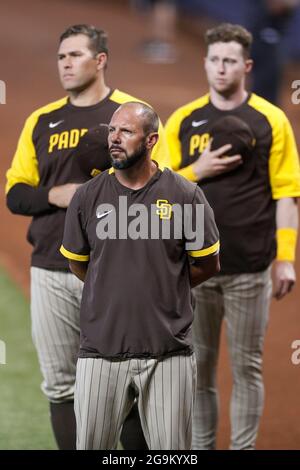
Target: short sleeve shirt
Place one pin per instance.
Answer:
(136, 299)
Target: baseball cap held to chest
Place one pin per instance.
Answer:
(92, 154)
(233, 130)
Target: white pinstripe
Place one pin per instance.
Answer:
(105, 392)
(55, 304)
(243, 300)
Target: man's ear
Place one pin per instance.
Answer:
(101, 60)
(152, 139)
(249, 65)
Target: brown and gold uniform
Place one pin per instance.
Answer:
(244, 204)
(136, 311)
(46, 157)
(244, 201)
(141, 285)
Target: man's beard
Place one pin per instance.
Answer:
(228, 91)
(130, 160)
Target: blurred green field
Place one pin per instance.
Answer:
(24, 421)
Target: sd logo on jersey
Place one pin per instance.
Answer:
(164, 209)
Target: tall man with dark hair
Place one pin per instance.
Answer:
(41, 183)
(253, 193)
(127, 238)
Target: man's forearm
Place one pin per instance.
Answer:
(201, 272)
(287, 213)
(24, 199)
(79, 269)
(62, 195)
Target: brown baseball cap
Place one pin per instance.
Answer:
(235, 131)
(91, 153)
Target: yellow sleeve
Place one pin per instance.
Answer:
(284, 167)
(188, 173)
(172, 134)
(172, 128)
(161, 151)
(24, 167)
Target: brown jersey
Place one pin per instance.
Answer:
(243, 200)
(136, 299)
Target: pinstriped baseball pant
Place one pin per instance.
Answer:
(243, 301)
(55, 306)
(105, 391)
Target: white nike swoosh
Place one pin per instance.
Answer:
(54, 124)
(199, 123)
(99, 216)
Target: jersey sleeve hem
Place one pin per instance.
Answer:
(213, 249)
(282, 194)
(188, 173)
(74, 256)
